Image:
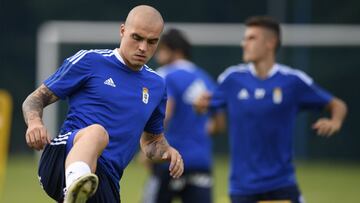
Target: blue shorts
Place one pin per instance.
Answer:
(52, 172)
(192, 186)
(290, 193)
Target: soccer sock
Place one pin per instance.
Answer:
(76, 170)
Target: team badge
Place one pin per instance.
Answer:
(145, 95)
(277, 95)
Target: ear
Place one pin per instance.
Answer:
(122, 30)
(271, 42)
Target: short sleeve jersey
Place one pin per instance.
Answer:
(101, 89)
(186, 130)
(261, 116)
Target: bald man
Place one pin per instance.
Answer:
(115, 100)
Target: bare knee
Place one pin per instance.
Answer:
(97, 133)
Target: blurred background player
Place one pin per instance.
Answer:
(185, 129)
(115, 100)
(262, 99)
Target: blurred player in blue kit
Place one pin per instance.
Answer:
(185, 129)
(262, 99)
(115, 100)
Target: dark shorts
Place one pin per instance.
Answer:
(194, 186)
(289, 193)
(52, 173)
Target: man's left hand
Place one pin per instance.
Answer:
(176, 167)
(326, 127)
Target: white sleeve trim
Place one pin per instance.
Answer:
(298, 73)
(230, 70)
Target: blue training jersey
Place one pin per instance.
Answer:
(186, 130)
(101, 89)
(261, 116)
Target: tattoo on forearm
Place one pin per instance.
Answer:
(156, 147)
(35, 103)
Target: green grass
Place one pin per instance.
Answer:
(321, 182)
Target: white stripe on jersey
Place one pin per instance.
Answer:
(99, 51)
(237, 68)
(76, 55)
(162, 71)
(298, 73)
(64, 70)
(181, 64)
(151, 70)
(282, 69)
(108, 54)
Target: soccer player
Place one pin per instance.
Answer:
(114, 101)
(185, 129)
(262, 99)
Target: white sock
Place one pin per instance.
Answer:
(76, 170)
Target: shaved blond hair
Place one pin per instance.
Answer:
(146, 13)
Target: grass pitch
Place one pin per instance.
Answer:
(320, 181)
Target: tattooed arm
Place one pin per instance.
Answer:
(36, 135)
(157, 148)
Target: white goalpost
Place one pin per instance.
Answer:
(52, 34)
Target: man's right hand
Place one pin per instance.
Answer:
(37, 135)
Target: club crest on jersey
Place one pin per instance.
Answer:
(145, 95)
(277, 95)
(243, 94)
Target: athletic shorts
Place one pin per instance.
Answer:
(192, 186)
(52, 172)
(289, 193)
